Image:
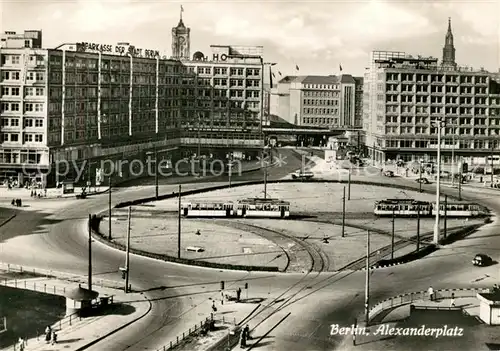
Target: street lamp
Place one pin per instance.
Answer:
(439, 123)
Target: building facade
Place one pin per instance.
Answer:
(28, 39)
(409, 95)
(319, 101)
(87, 101)
(406, 96)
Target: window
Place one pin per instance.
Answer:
(5, 122)
(15, 60)
(28, 107)
(14, 75)
(14, 137)
(5, 91)
(30, 76)
(38, 138)
(29, 91)
(5, 75)
(40, 92)
(14, 106)
(14, 91)
(14, 122)
(28, 122)
(39, 107)
(39, 76)
(28, 138)
(39, 123)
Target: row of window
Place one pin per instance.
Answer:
(223, 71)
(14, 60)
(432, 131)
(236, 82)
(448, 78)
(321, 86)
(321, 111)
(463, 144)
(28, 122)
(320, 102)
(30, 76)
(28, 107)
(333, 94)
(27, 137)
(20, 156)
(120, 63)
(16, 91)
(320, 120)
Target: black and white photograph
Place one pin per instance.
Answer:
(281, 175)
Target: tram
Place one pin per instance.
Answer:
(411, 208)
(268, 208)
(207, 209)
(402, 208)
(252, 207)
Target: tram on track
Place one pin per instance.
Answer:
(252, 207)
(413, 208)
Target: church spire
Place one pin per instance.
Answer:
(449, 48)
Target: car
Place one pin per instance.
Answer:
(482, 260)
(302, 175)
(422, 180)
(389, 173)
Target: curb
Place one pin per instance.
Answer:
(102, 239)
(416, 293)
(7, 220)
(95, 341)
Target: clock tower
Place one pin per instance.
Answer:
(181, 40)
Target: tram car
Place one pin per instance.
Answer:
(268, 208)
(461, 210)
(207, 209)
(403, 208)
(253, 207)
(411, 207)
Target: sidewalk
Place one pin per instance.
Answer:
(74, 332)
(468, 307)
(52, 193)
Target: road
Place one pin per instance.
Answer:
(180, 293)
(58, 241)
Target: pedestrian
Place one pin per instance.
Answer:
(54, 337)
(238, 295)
(452, 302)
(247, 332)
(48, 332)
(431, 293)
(21, 343)
(243, 340)
(213, 307)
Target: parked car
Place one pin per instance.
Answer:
(389, 173)
(422, 180)
(482, 260)
(302, 175)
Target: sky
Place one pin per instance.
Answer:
(316, 36)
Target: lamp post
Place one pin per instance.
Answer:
(439, 121)
(420, 176)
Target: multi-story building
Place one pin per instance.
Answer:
(74, 104)
(321, 101)
(28, 39)
(87, 101)
(406, 96)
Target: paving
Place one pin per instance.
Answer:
(306, 197)
(74, 332)
(432, 314)
(220, 243)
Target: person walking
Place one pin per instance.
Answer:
(54, 337)
(238, 295)
(430, 291)
(452, 302)
(214, 309)
(48, 334)
(243, 339)
(21, 343)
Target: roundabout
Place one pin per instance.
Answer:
(181, 293)
(312, 239)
